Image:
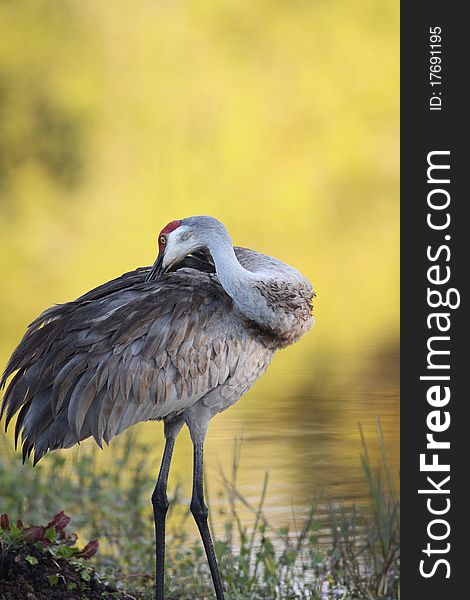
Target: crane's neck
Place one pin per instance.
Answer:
(280, 306)
(235, 279)
(241, 285)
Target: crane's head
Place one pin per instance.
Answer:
(182, 237)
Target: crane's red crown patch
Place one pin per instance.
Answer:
(170, 227)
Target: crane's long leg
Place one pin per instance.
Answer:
(160, 508)
(200, 512)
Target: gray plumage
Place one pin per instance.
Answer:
(131, 350)
(181, 341)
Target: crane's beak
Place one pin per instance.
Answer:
(156, 269)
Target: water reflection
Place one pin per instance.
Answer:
(230, 113)
(301, 426)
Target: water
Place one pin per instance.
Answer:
(299, 423)
(121, 121)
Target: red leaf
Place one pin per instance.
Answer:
(34, 533)
(90, 549)
(60, 521)
(4, 521)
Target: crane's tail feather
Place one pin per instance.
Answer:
(57, 391)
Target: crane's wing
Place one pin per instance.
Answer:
(127, 351)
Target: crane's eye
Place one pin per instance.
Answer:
(162, 239)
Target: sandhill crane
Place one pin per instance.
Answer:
(179, 342)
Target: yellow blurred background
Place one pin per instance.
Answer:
(280, 119)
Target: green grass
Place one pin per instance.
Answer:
(258, 561)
